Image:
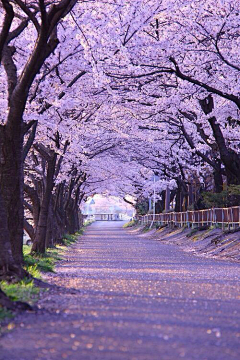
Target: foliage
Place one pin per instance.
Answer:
(158, 225)
(24, 290)
(112, 116)
(146, 228)
(222, 199)
(192, 232)
(5, 314)
(36, 263)
(234, 190)
(142, 206)
(215, 199)
(130, 224)
(70, 239)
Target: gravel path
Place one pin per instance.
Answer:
(124, 297)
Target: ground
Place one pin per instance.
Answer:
(121, 296)
(213, 242)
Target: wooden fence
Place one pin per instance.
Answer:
(225, 217)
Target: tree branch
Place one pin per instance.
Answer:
(29, 13)
(31, 137)
(9, 15)
(209, 88)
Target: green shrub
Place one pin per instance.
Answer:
(227, 197)
(215, 199)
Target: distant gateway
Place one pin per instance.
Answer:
(107, 217)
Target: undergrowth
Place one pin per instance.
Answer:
(130, 224)
(146, 228)
(192, 232)
(37, 263)
(26, 290)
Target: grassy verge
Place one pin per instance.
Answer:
(26, 290)
(35, 264)
(5, 315)
(130, 224)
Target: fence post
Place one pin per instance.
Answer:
(222, 219)
(239, 216)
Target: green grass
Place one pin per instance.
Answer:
(5, 314)
(24, 290)
(88, 222)
(192, 232)
(130, 224)
(70, 239)
(36, 264)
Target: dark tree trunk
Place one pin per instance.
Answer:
(39, 244)
(218, 178)
(167, 199)
(11, 134)
(181, 195)
(34, 198)
(178, 204)
(7, 263)
(190, 195)
(11, 191)
(230, 159)
(29, 229)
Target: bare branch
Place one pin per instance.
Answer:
(29, 13)
(9, 15)
(209, 88)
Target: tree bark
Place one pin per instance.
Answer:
(230, 159)
(218, 178)
(11, 191)
(39, 244)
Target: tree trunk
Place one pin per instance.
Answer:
(218, 179)
(39, 244)
(7, 263)
(167, 199)
(11, 194)
(230, 159)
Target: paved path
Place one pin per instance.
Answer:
(125, 297)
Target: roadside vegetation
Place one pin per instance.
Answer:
(130, 224)
(26, 290)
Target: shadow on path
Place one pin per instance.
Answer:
(123, 297)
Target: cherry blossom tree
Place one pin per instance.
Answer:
(102, 96)
(32, 25)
